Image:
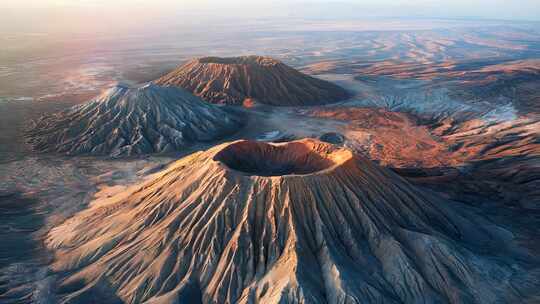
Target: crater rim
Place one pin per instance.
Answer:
(294, 158)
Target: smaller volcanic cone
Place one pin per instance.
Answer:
(133, 120)
(248, 79)
(298, 222)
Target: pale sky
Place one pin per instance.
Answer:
(492, 9)
(88, 15)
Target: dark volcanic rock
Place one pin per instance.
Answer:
(260, 79)
(133, 120)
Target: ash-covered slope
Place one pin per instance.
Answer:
(235, 80)
(132, 120)
(299, 222)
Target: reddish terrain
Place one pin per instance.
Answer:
(261, 79)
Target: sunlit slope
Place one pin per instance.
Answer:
(304, 221)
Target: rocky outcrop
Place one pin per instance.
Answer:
(238, 80)
(297, 222)
(133, 120)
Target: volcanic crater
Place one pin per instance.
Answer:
(293, 158)
(202, 232)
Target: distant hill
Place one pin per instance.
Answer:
(265, 80)
(132, 120)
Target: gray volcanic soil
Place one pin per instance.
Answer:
(232, 80)
(38, 193)
(126, 121)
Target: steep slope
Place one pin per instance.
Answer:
(236, 80)
(132, 120)
(298, 222)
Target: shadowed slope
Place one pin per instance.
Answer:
(331, 227)
(126, 121)
(233, 80)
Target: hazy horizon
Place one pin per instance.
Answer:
(59, 16)
(483, 9)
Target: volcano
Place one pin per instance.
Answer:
(127, 120)
(296, 222)
(237, 80)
